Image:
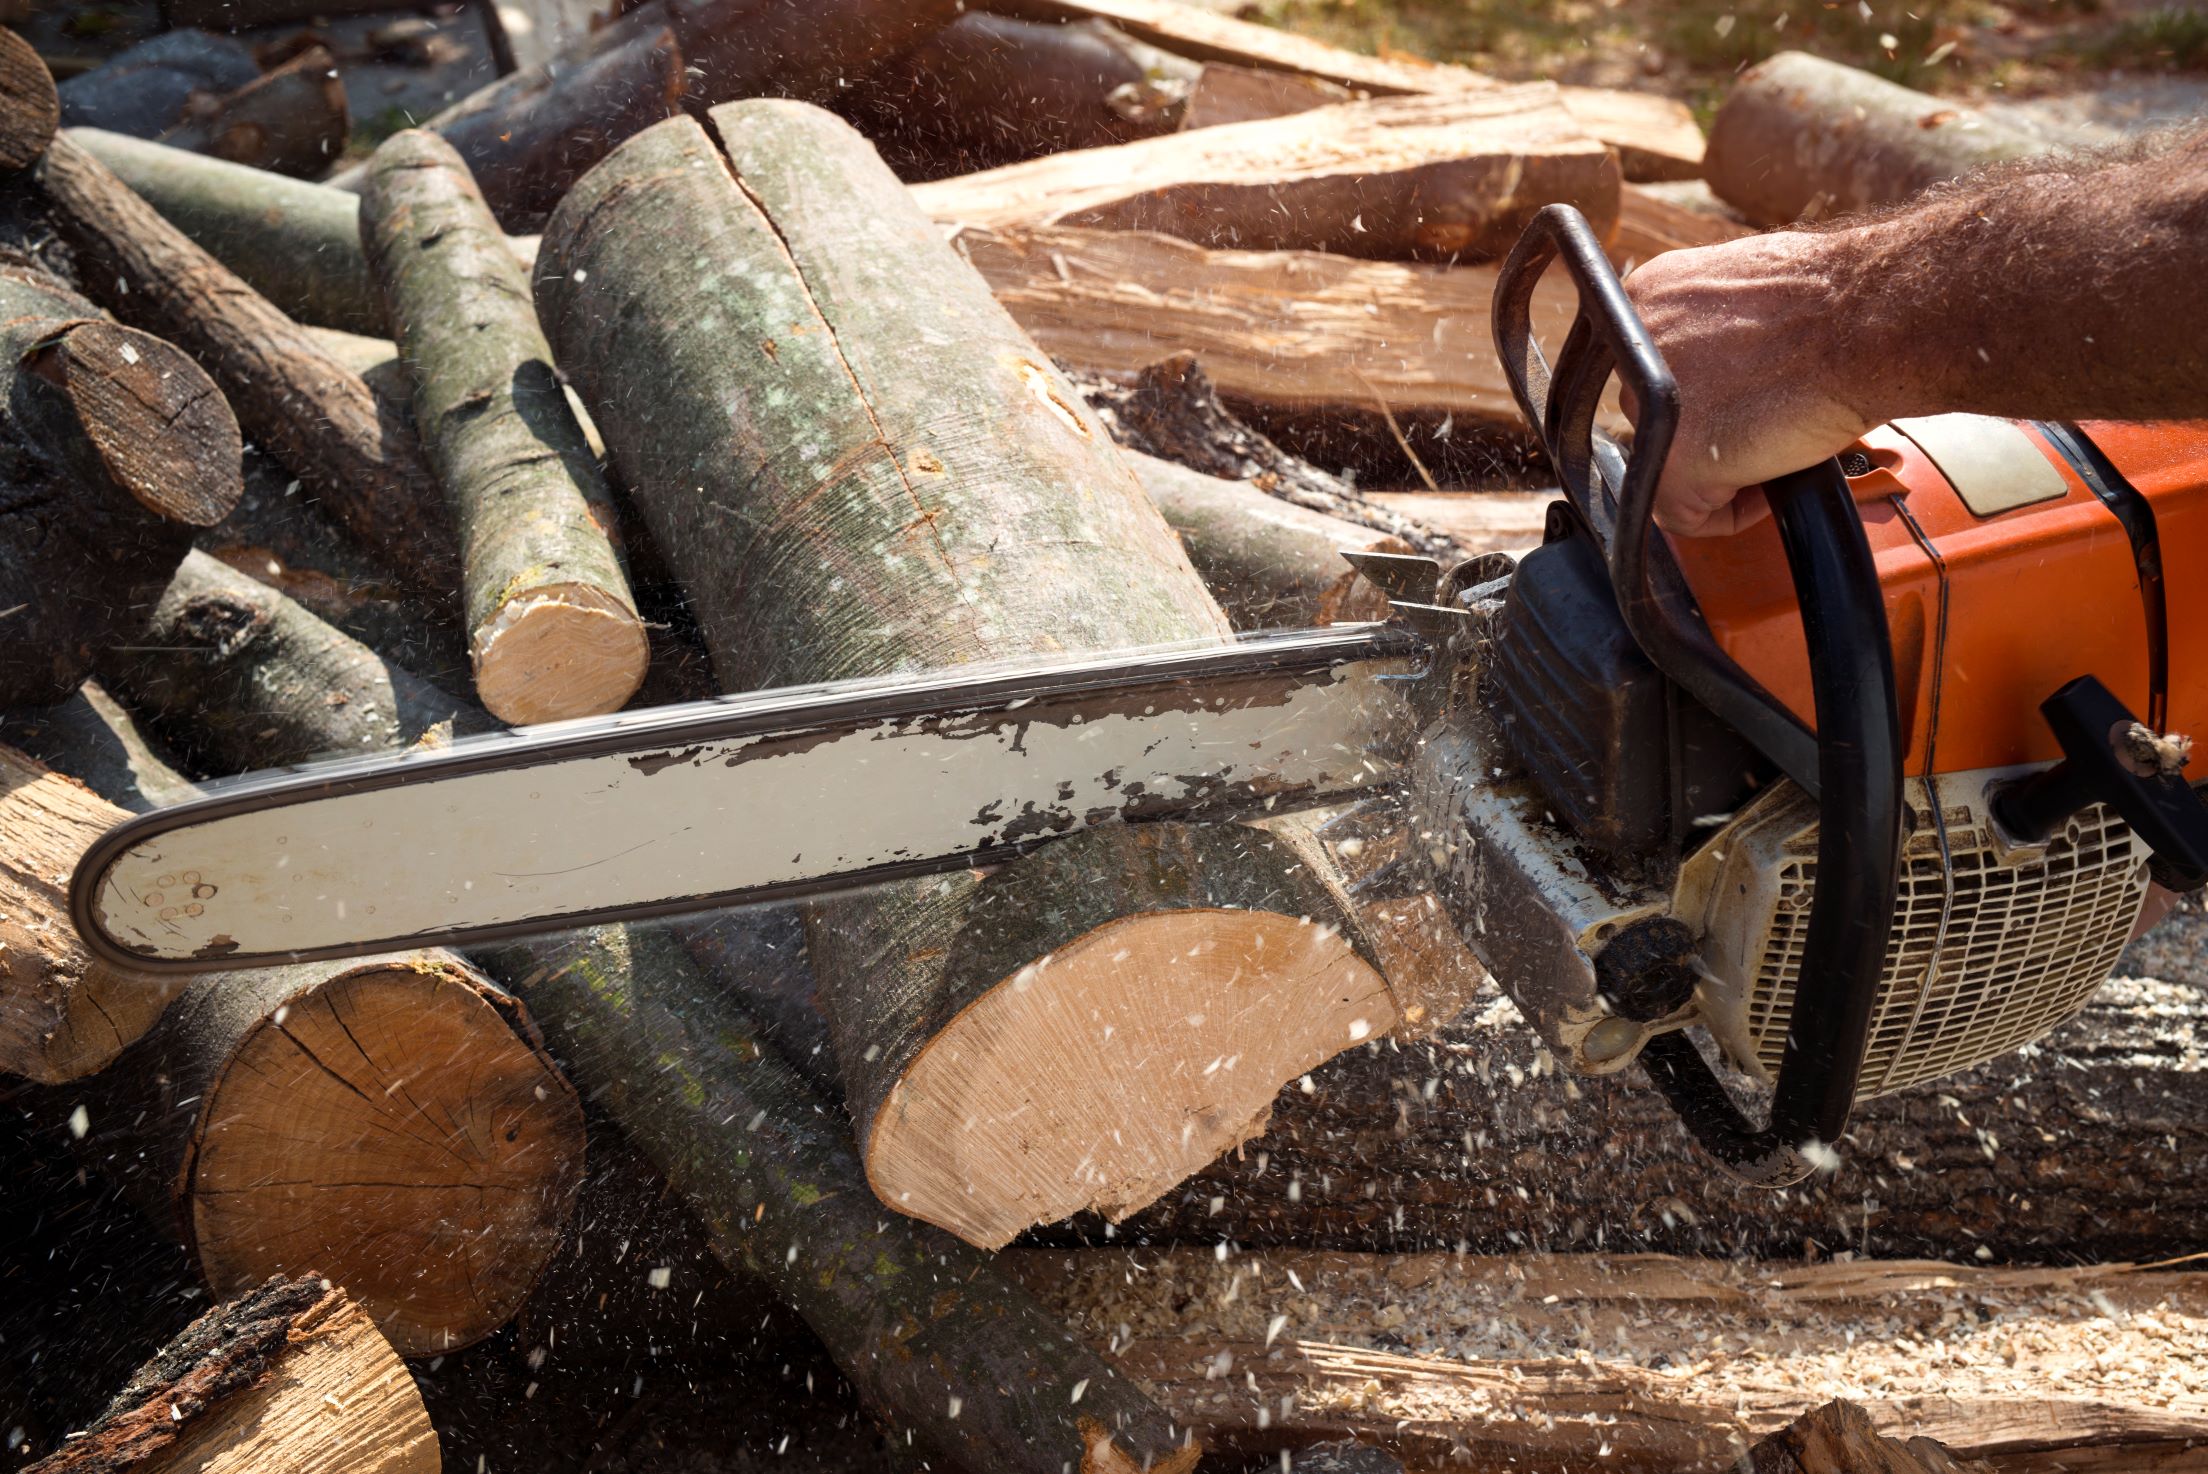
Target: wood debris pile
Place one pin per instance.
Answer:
(730, 344)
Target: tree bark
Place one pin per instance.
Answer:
(528, 142)
(1440, 177)
(113, 447)
(63, 1015)
(297, 244)
(292, 121)
(1645, 1364)
(912, 486)
(986, 91)
(1800, 138)
(391, 1123)
(144, 90)
(552, 627)
(30, 109)
(236, 677)
(289, 395)
(290, 1375)
(939, 1346)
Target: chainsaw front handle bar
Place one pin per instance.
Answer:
(1851, 763)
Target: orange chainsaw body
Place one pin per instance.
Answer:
(1991, 613)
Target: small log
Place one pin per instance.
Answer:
(1446, 176)
(528, 139)
(290, 1375)
(875, 484)
(145, 89)
(1839, 1438)
(944, 1351)
(392, 1123)
(30, 109)
(1270, 563)
(117, 447)
(297, 244)
(62, 1014)
(552, 627)
(290, 396)
(1801, 138)
(1649, 1365)
(292, 121)
(987, 90)
(235, 677)
(90, 736)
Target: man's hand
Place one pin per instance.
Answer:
(1756, 332)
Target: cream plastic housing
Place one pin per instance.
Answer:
(1993, 944)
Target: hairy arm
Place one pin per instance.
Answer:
(2076, 289)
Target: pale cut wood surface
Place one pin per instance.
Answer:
(529, 33)
(1303, 332)
(62, 1014)
(1479, 521)
(1449, 175)
(1644, 1362)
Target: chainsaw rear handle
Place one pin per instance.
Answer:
(1851, 763)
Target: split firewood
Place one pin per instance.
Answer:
(101, 746)
(289, 395)
(145, 89)
(292, 121)
(392, 1123)
(63, 1015)
(30, 109)
(235, 676)
(1800, 138)
(553, 628)
(1226, 93)
(987, 90)
(878, 521)
(290, 1375)
(117, 446)
(1443, 176)
(943, 1350)
(1655, 137)
(1651, 1365)
(528, 140)
(297, 244)
(1651, 221)
(1839, 1438)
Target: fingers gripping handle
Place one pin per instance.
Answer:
(1851, 762)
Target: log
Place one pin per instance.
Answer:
(291, 1375)
(145, 89)
(1800, 138)
(1476, 521)
(117, 447)
(552, 627)
(1655, 137)
(987, 90)
(2083, 1147)
(908, 498)
(1270, 563)
(1651, 222)
(91, 737)
(1839, 1438)
(63, 1015)
(1226, 93)
(941, 1348)
(1292, 339)
(1441, 177)
(292, 121)
(235, 677)
(526, 34)
(289, 395)
(528, 140)
(30, 109)
(297, 244)
(392, 1123)
(1646, 1364)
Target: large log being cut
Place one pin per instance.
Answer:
(915, 486)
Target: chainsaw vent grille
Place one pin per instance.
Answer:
(2028, 941)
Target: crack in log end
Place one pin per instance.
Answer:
(658, 762)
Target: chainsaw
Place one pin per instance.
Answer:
(1868, 793)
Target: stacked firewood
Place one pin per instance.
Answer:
(861, 337)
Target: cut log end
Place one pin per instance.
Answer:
(560, 651)
(160, 427)
(1101, 1454)
(1113, 1068)
(30, 109)
(462, 1156)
